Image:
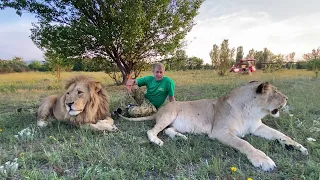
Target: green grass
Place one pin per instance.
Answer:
(63, 152)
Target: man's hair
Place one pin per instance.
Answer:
(158, 65)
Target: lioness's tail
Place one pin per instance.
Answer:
(147, 118)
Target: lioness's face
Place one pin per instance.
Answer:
(276, 101)
(273, 99)
(77, 97)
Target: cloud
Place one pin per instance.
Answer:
(250, 26)
(282, 26)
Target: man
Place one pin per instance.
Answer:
(159, 87)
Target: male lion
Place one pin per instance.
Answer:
(85, 102)
(226, 119)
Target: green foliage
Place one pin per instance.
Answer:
(93, 65)
(240, 54)
(314, 65)
(17, 64)
(180, 61)
(222, 58)
(251, 54)
(129, 32)
(57, 63)
(314, 61)
(207, 66)
(194, 63)
(275, 63)
(35, 66)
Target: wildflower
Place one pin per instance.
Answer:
(21, 154)
(0, 130)
(249, 178)
(234, 169)
(25, 134)
(311, 139)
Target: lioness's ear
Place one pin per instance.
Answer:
(263, 87)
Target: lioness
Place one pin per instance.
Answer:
(85, 102)
(226, 119)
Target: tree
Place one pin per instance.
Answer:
(239, 54)
(251, 54)
(180, 60)
(57, 63)
(275, 63)
(35, 65)
(258, 56)
(177, 61)
(215, 56)
(315, 54)
(195, 63)
(128, 32)
(290, 57)
(18, 64)
(313, 59)
(222, 59)
(266, 55)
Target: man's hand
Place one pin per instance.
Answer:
(130, 83)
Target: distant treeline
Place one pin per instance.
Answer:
(92, 65)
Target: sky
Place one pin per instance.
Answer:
(283, 26)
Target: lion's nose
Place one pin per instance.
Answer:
(70, 104)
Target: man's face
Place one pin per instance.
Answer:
(158, 73)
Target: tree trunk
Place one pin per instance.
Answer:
(125, 70)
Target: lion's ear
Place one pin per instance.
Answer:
(263, 87)
(96, 86)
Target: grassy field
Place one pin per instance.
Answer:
(63, 152)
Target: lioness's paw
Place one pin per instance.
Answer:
(303, 150)
(183, 136)
(261, 160)
(114, 128)
(154, 139)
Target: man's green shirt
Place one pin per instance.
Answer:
(157, 91)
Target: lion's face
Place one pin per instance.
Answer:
(76, 98)
(274, 99)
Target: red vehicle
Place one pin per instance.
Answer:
(244, 66)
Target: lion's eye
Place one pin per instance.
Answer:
(68, 93)
(80, 92)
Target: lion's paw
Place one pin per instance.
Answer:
(42, 124)
(261, 160)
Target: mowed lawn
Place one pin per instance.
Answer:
(63, 152)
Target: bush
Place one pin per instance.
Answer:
(35, 65)
(314, 65)
(302, 65)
